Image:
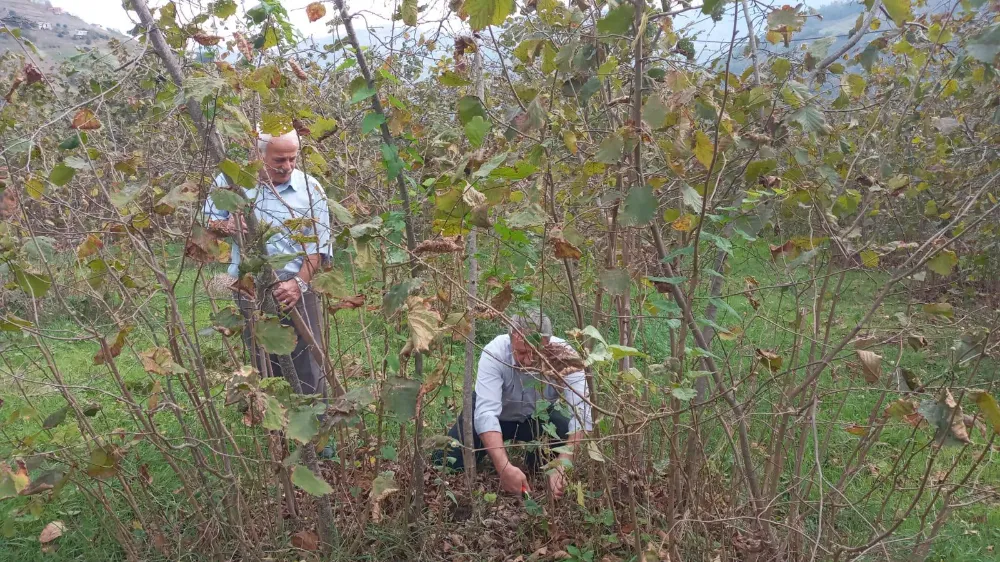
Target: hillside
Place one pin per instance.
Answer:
(50, 30)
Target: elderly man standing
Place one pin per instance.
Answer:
(509, 391)
(294, 204)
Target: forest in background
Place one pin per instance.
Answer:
(774, 259)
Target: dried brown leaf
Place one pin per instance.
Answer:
(306, 540)
(871, 364)
(315, 11)
(443, 245)
(85, 120)
(51, 532)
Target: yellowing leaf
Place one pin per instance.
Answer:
(899, 10)
(683, 223)
(869, 258)
(703, 149)
(950, 87)
(569, 139)
(423, 323)
(855, 429)
(939, 309)
(988, 406)
(943, 262)
(770, 358)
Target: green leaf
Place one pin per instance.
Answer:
(371, 122)
(61, 174)
(640, 206)
(615, 281)
(274, 337)
(470, 107)
(34, 284)
(943, 262)
(709, 6)
(618, 20)
(758, 168)
(691, 197)
(476, 130)
(409, 12)
(401, 396)
(985, 46)
(483, 13)
(330, 283)
(620, 351)
(360, 90)
(303, 423)
(899, 11)
(654, 112)
(527, 218)
(274, 415)
(684, 394)
(393, 163)
(55, 418)
(103, 463)
(228, 200)
(321, 127)
(309, 482)
(238, 175)
(222, 9)
(228, 321)
(396, 296)
(810, 119)
(611, 149)
(388, 452)
(452, 78)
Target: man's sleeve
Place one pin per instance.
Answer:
(211, 212)
(489, 393)
(575, 394)
(321, 216)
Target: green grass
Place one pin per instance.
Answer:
(967, 534)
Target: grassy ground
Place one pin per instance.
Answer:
(29, 399)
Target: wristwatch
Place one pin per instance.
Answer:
(303, 286)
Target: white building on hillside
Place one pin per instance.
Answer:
(80, 34)
(44, 25)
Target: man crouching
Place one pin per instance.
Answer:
(509, 385)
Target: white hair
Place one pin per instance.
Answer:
(263, 139)
(530, 322)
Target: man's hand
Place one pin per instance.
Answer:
(557, 481)
(287, 293)
(513, 480)
(225, 227)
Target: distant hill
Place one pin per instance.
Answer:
(56, 34)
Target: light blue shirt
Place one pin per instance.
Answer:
(299, 198)
(506, 392)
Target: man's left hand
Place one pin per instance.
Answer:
(557, 481)
(287, 293)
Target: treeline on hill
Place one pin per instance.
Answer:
(777, 266)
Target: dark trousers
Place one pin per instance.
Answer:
(310, 372)
(525, 432)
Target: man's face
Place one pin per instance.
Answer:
(524, 353)
(279, 160)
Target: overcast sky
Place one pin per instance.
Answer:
(109, 13)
